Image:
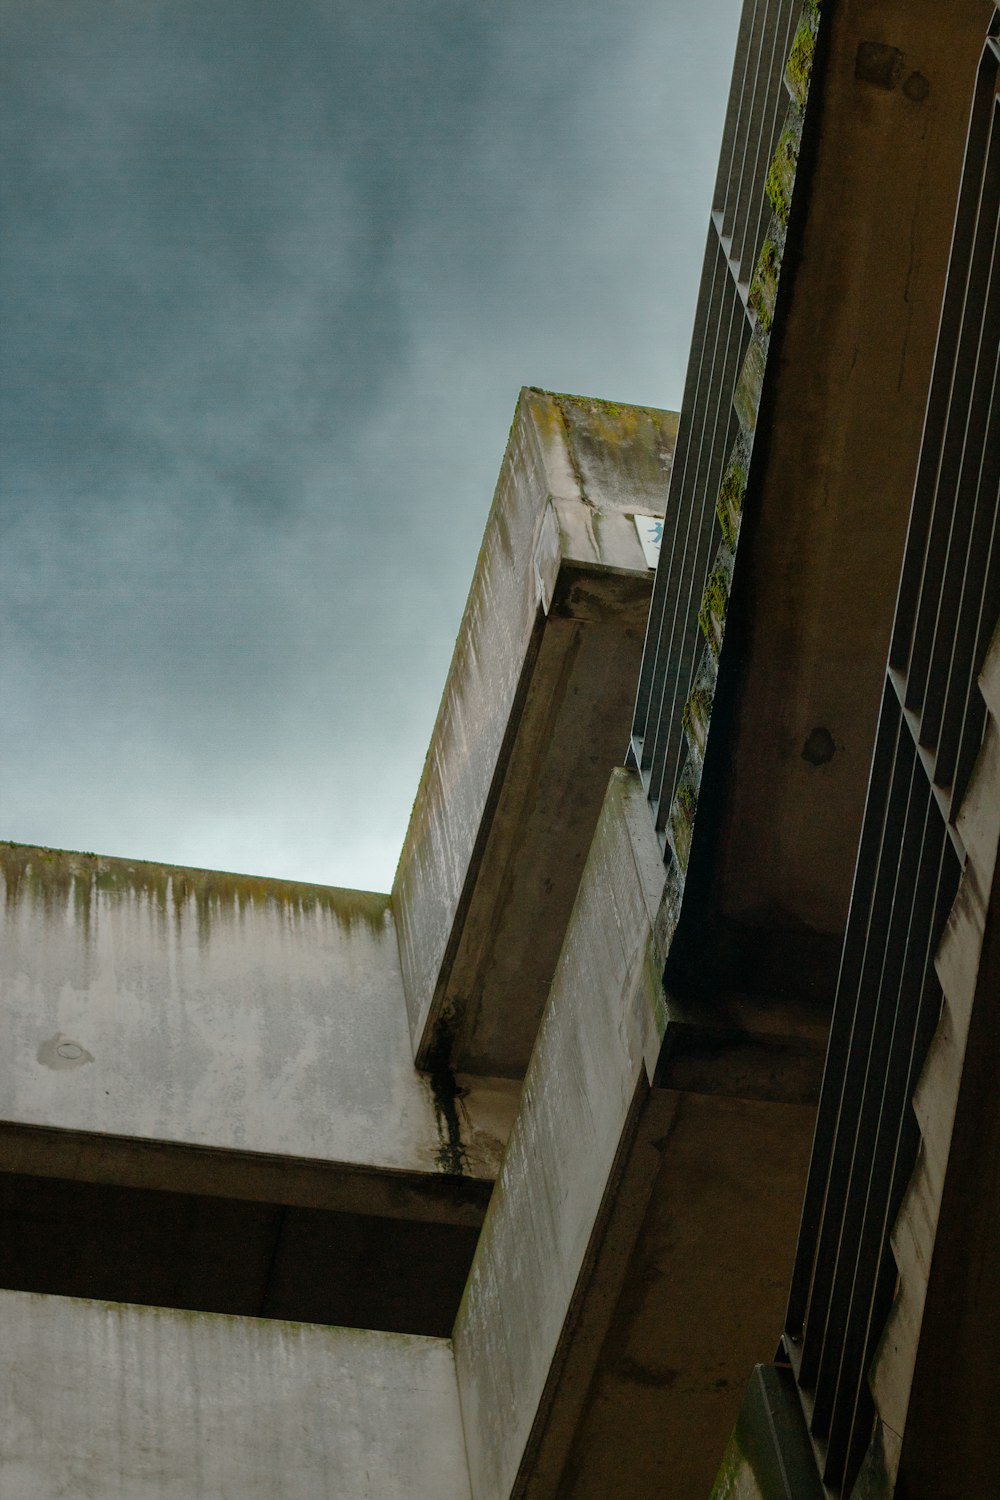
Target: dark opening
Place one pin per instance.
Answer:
(225, 1255)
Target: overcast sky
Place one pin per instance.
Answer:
(273, 273)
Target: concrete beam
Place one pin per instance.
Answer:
(632, 1265)
(596, 1048)
(835, 458)
(535, 713)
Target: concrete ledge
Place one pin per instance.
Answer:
(535, 714)
(193, 1010)
(343, 1187)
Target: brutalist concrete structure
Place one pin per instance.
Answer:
(643, 1141)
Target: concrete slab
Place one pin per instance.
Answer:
(535, 714)
(181, 1028)
(103, 1401)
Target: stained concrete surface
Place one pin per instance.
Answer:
(109, 1402)
(535, 714)
(146, 1005)
(589, 1062)
(633, 1262)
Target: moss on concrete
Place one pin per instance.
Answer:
(729, 506)
(607, 439)
(60, 879)
(764, 286)
(712, 614)
(781, 175)
(800, 61)
(695, 717)
(750, 384)
(731, 1470)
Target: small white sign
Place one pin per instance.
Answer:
(650, 532)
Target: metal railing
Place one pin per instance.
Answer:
(910, 857)
(758, 103)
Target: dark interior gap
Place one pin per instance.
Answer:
(225, 1255)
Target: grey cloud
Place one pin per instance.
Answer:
(273, 275)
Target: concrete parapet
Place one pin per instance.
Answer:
(225, 1013)
(102, 1399)
(535, 713)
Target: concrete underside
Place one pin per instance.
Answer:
(703, 1290)
(110, 1402)
(568, 735)
(225, 1255)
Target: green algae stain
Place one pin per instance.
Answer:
(57, 880)
(764, 286)
(712, 614)
(683, 811)
(800, 62)
(729, 506)
(695, 717)
(726, 1486)
(781, 175)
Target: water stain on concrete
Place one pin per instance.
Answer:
(61, 1052)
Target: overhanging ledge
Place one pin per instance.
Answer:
(535, 714)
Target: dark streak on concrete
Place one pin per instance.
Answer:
(819, 747)
(878, 64)
(916, 87)
(451, 1155)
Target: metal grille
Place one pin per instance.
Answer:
(707, 429)
(910, 857)
(757, 107)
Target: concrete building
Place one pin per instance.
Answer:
(645, 1140)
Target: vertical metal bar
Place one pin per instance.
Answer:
(645, 719)
(878, 1000)
(968, 416)
(887, 1098)
(842, 1023)
(863, 1003)
(940, 396)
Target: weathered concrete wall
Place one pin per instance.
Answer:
(575, 473)
(104, 1401)
(599, 1027)
(224, 1012)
